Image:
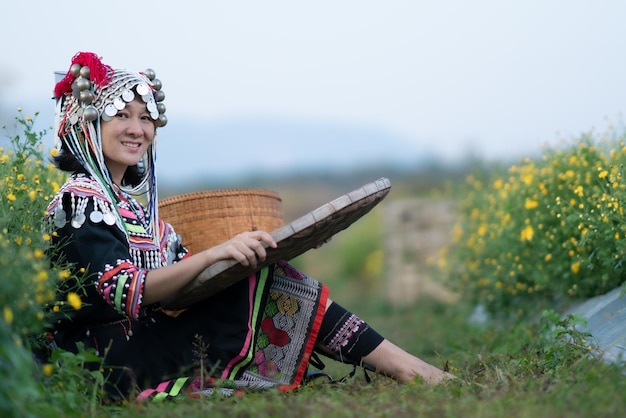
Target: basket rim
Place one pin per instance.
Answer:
(186, 197)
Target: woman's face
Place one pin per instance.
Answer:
(125, 139)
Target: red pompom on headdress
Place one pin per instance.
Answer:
(99, 73)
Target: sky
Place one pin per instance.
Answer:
(281, 84)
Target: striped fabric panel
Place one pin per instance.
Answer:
(122, 286)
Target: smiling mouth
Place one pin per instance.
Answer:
(131, 144)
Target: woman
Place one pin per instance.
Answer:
(129, 260)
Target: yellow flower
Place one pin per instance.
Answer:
(38, 253)
(579, 191)
(54, 152)
(548, 257)
(11, 197)
(8, 314)
(527, 179)
(603, 174)
(64, 274)
(47, 369)
(527, 233)
(74, 300)
(575, 267)
(32, 195)
(46, 237)
(531, 204)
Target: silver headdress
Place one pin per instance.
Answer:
(91, 92)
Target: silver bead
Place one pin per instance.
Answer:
(75, 90)
(161, 107)
(75, 69)
(85, 72)
(85, 96)
(159, 96)
(149, 73)
(83, 83)
(90, 113)
(161, 121)
(156, 83)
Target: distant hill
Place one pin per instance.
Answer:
(308, 164)
(255, 147)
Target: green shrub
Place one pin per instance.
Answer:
(548, 230)
(28, 283)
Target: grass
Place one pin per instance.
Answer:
(533, 366)
(500, 366)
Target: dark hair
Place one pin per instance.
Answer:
(66, 161)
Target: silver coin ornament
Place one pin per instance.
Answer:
(110, 110)
(128, 95)
(59, 217)
(96, 216)
(119, 104)
(142, 89)
(109, 219)
(78, 220)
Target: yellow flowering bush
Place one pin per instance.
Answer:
(28, 181)
(546, 230)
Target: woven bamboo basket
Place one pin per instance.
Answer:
(207, 218)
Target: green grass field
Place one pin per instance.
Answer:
(537, 365)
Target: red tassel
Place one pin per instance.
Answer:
(100, 73)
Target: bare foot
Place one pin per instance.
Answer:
(392, 361)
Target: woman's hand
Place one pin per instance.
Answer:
(247, 248)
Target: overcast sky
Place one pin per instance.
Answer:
(495, 77)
